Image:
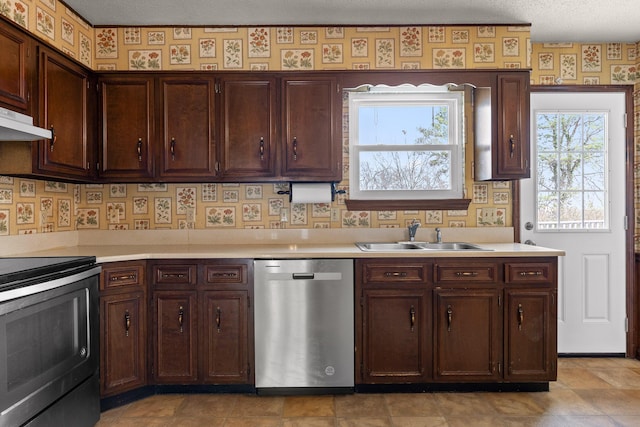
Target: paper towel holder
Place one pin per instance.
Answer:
(334, 191)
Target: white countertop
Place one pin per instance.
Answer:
(118, 246)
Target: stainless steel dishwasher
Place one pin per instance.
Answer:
(304, 326)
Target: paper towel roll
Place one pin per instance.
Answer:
(311, 192)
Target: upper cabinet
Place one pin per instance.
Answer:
(502, 128)
(311, 129)
(18, 63)
(65, 100)
(126, 112)
(187, 142)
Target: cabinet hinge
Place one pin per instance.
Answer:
(98, 166)
(216, 167)
(338, 88)
(499, 367)
(499, 301)
(88, 84)
(88, 166)
(217, 88)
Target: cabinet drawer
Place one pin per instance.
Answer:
(394, 272)
(122, 274)
(178, 274)
(529, 272)
(235, 274)
(466, 272)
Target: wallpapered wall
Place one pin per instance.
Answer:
(28, 206)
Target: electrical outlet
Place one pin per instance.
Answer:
(335, 214)
(191, 215)
(284, 215)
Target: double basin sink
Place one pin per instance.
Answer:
(419, 246)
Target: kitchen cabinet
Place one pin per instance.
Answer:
(126, 112)
(394, 322)
(123, 331)
(311, 128)
(187, 138)
(16, 72)
(503, 152)
(468, 340)
(65, 108)
(202, 319)
(530, 321)
(249, 133)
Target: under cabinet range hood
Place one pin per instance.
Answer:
(19, 127)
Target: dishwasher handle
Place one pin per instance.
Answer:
(303, 276)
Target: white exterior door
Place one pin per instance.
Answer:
(575, 201)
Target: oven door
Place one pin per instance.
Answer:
(46, 343)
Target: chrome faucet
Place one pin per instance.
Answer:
(413, 227)
(438, 235)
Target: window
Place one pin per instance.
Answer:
(572, 170)
(405, 143)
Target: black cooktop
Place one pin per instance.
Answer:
(18, 269)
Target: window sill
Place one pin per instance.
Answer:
(394, 205)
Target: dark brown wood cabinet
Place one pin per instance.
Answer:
(202, 321)
(502, 148)
(16, 72)
(394, 321)
(126, 112)
(187, 129)
(123, 330)
(66, 108)
(311, 129)
(468, 338)
(249, 133)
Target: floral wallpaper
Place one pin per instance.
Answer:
(30, 206)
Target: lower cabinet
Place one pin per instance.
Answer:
(175, 334)
(468, 339)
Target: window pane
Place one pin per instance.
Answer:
(569, 168)
(594, 167)
(570, 210)
(547, 210)
(547, 164)
(405, 170)
(546, 131)
(594, 212)
(403, 125)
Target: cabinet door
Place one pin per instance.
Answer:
(126, 115)
(513, 127)
(248, 128)
(468, 342)
(122, 342)
(63, 108)
(188, 141)
(224, 337)
(16, 69)
(530, 335)
(311, 129)
(175, 319)
(396, 341)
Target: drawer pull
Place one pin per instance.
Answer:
(225, 275)
(261, 148)
(127, 323)
(174, 275)
(466, 273)
(218, 318)
(139, 149)
(449, 317)
(530, 273)
(124, 277)
(395, 274)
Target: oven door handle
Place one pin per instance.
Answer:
(47, 285)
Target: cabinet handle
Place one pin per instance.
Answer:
(295, 148)
(531, 273)
(449, 317)
(139, 149)
(261, 148)
(172, 148)
(466, 273)
(412, 317)
(395, 274)
(173, 275)
(520, 316)
(180, 317)
(218, 318)
(127, 323)
(125, 277)
(53, 139)
(512, 145)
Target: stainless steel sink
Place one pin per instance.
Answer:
(386, 247)
(419, 246)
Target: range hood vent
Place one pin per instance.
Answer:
(19, 127)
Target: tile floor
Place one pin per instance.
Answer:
(589, 392)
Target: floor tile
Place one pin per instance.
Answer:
(613, 402)
(258, 406)
(309, 406)
(161, 405)
(361, 405)
(412, 405)
(464, 404)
